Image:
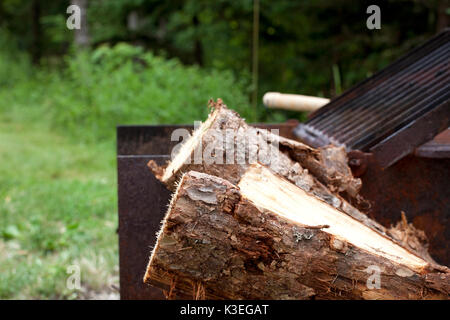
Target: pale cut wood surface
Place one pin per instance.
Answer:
(222, 241)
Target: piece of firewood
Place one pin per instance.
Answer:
(268, 239)
(328, 164)
(225, 146)
(230, 145)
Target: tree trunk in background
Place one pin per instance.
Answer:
(198, 49)
(82, 38)
(1, 13)
(36, 29)
(443, 20)
(133, 21)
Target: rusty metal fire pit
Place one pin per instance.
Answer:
(389, 125)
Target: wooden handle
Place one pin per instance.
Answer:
(295, 102)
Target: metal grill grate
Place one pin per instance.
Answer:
(386, 103)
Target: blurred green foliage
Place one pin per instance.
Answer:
(100, 89)
(302, 43)
(58, 203)
(58, 208)
(300, 40)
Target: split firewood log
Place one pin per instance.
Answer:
(269, 239)
(225, 146)
(328, 164)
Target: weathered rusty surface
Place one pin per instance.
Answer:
(142, 202)
(418, 186)
(383, 122)
(149, 140)
(143, 199)
(437, 148)
(358, 162)
(405, 140)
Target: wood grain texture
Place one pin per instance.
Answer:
(215, 243)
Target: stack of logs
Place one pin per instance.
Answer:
(257, 216)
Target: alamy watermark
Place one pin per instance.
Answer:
(374, 20)
(74, 20)
(73, 281)
(374, 280)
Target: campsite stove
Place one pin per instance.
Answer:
(389, 125)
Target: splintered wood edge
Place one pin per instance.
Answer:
(181, 286)
(267, 190)
(163, 226)
(188, 147)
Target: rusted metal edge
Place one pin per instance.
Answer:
(417, 132)
(438, 148)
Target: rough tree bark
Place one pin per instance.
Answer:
(221, 241)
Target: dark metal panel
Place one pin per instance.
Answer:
(437, 148)
(421, 188)
(395, 68)
(386, 105)
(404, 141)
(142, 203)
(146, 140)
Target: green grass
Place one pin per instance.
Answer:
(57, 208)
(58, 189)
